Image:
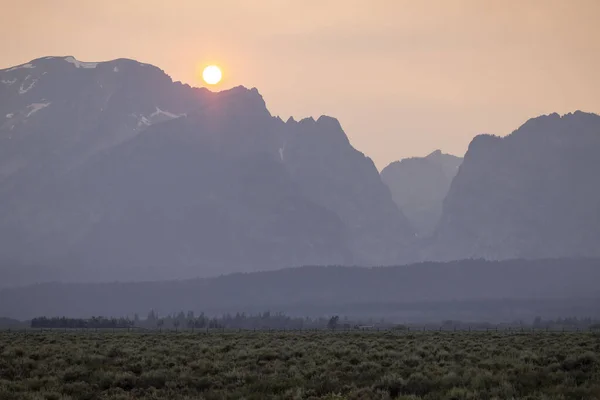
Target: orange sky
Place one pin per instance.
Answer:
(403, 77)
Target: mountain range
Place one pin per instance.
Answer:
(112, 171)
(113, 165)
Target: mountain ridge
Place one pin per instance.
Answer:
(123, 166)
(529, 194)
(416, 291)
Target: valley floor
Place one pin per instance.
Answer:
(294, 365)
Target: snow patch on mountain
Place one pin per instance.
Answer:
(27, 66)
(35, 107)
(157, 116)
(281, 152)
(165, 113)
(143, 121)
(116, 69)
(10, 115)
(80, 64)
(8, 81)
(24, 89)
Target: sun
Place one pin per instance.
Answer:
(212, 75)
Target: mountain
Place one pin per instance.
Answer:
(111, 170)
(471, 290)
(419, 186)
(532, 194)
(332, 173)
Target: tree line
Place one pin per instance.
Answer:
(93, 322)
(181, 320)
(261, 321)
(280, 321)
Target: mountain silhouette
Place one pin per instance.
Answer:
(419, 186)
(472, 290)
(112, 166)
(112, 171)
(532, 194)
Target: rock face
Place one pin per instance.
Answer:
(113, 167)
(332, 173)
(419, 186)
(532, 194)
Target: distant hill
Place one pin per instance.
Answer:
(532, 194)
(419, 186)
(114, 168)
(557, 287)
(9, 323)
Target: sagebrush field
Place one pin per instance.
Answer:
(293, 365)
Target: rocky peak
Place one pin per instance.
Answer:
(326, 133)
(529, 194)
(434, 154)
(419, 186)
(237, 100)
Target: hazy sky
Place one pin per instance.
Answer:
(403, 77)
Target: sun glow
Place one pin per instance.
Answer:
(212, 75)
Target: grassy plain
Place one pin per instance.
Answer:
(294, 365)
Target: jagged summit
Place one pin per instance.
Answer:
(551, 124)
(435, 153)
(552, 130)
(323, 120)
(28, 76)
(44, 65)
